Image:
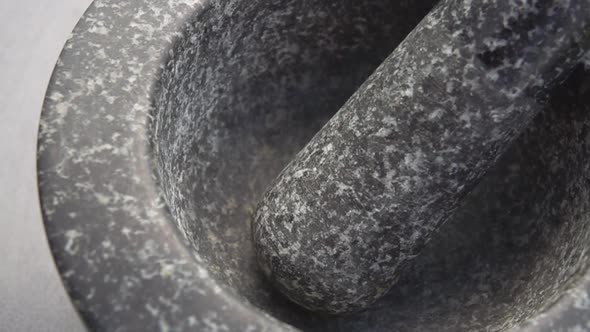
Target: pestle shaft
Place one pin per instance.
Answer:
(336, 228)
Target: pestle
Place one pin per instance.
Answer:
(342, 220)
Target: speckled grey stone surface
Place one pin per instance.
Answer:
(114, 243)
(366, 194)
(157, 238)
(270, 83)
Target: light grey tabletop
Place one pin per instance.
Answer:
(32, 33)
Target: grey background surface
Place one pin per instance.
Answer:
(32, 33)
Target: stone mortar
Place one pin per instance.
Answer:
(165, 121)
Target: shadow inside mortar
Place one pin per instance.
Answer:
(249, 84)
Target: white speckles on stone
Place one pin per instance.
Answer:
(101, 30)
(93, 139)
(454, 60)
(383, 132)
(582, 301)
(72, 237)
(102, 198)
(436, 114)
(167, 270)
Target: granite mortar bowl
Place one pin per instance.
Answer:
(165, 121)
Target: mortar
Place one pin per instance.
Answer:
(165, 121)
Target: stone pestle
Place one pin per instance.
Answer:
(336, 228)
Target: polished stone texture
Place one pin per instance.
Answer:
(165, 122)
(374, 185)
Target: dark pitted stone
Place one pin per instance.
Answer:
(375, 184)
(170, 249)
